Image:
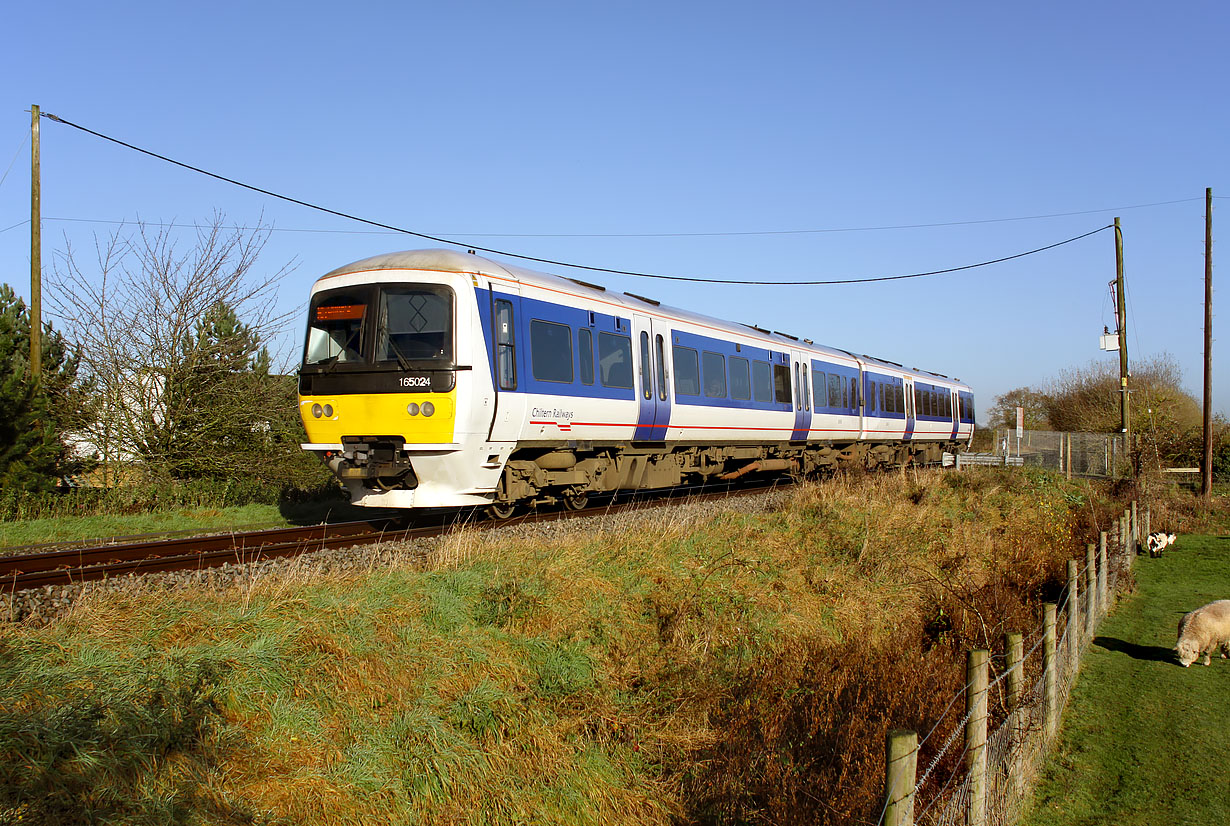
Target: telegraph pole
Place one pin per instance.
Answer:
(1206, 469)
(1124, 415)
(36, 255)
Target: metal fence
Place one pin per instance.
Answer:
(1079, 454)
(988, 781)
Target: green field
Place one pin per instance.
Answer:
(1144, 741)
(202, 519)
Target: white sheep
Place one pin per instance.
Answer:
(1203, 631)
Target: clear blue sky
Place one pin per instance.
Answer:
(697, 139)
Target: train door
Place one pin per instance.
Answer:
(802, 396)
(955, 409)
(508, 405)
(909, 409)
(653, 379)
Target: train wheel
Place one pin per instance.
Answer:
(575, 501)
(501, 510)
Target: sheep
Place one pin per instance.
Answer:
(1202, 631)
(1156, 542)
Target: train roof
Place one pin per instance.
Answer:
(445, 260)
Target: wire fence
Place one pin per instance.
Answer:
(1080, 454)
(985, 777)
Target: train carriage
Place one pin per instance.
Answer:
(434, 378)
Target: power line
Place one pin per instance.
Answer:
(886, 227)
(549, 261)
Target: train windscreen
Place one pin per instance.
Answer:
(396, 324)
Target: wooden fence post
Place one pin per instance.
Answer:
(977, 673)
(1134, 529)
(900, 771)
(1091, 590)
(1050, 668)
(1074, 615)
(1014, 654)
(1103, 606)
(1146, 529)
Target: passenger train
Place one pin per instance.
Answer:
(436, 378)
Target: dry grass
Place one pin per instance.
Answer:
(687, 665)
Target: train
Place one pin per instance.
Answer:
(443, 379)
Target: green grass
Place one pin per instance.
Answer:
(1144, 740)
(191, 519)
(685, 667)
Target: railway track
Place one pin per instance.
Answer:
(38, 568)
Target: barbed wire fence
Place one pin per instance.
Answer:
(981, 778)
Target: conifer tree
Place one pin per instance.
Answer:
(34, 418)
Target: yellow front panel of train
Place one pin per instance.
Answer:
(380, 414)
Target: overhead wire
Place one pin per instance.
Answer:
(20, 146)
(886, 227)
(550, 261)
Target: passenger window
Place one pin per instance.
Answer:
(505, 345)
(740, 379)
(585, 346)
(646, 367)
(834, 393)
(687, 371)
(820, 383)
(715, 375)
(551, 351)
(615, 360)
(798, 397)
(806, 390)
(854, 394)
(762, 381)
(661, 370)
(781, 383)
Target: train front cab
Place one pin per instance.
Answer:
(387, 388)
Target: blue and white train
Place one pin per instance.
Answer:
(435, 378)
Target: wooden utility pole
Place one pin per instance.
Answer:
(1206, 467)
(1124, 415)
(36, 255)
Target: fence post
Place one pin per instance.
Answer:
(1134, 529)
(1102, 574)
(1148, 528)
(900, 771)
(977, 672)
(1074, 615)
(1050, 668)
(1091, 590)
(1014, 653)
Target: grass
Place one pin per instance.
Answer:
(688, 666)
(195, 519)
(1144, 740)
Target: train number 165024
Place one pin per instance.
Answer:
(415, 381)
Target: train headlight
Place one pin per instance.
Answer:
(413, 408)
(317, 410)
(428, 408)
(328, 411)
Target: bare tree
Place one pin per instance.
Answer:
(138, 314)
